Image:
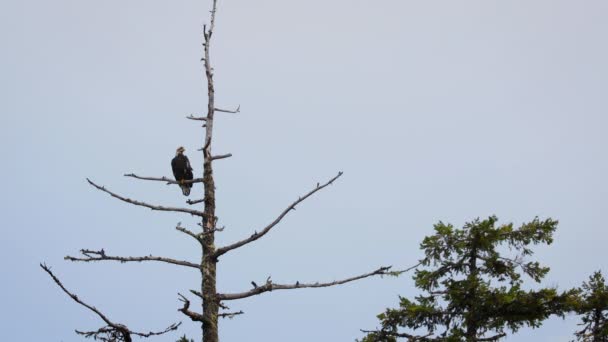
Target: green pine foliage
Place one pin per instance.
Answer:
(184, 339)
(472, 284)
(594, 310)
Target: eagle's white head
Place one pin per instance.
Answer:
(180, 150)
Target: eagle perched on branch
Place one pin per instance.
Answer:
(182, 170)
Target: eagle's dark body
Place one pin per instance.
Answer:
(182, 171)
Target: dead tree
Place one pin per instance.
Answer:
(213, 302)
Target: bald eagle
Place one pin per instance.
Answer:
(182, 170)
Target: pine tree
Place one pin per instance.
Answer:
(473, 290)
(594, 309)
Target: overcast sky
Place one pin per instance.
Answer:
(434, 110)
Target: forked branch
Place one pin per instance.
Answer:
(112, 331)
(164, 179)
(92, 256)
(256, 235)
(185, 309)
(270, 286)
(143, 204)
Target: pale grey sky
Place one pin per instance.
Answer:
(435, 110)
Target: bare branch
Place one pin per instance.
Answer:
(197, 118)
(238, 110)
(196, 293)
(143, 204)
(197, 237)
(91, 256)
(195, 316)
(75, 298)
(230, 314)
(221, 156)
(115, 331)
(151, 333)
(270, 286)
(256, 235)
(164, 179)
(192, 202)
(400, 272)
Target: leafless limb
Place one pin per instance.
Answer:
(113, 331)
(400, 272)
(143, 204)
(195, 316)
(221, 156)
(197, 237)
(270, 286)
(164, 179)
(198, 118)
(192, 202)
(196, 293)
(237, 110)
(92, 256)
(230, 314)
(256, 235)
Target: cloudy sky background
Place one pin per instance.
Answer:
(435, 110)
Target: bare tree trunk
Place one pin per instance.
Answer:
(208, 263)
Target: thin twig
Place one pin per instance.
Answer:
(256, 235)
(197, 237)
